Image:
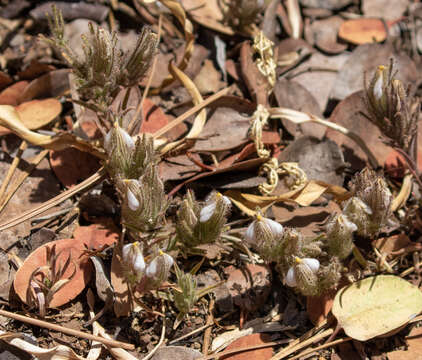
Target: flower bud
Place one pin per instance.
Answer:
(133, 261)
(303, 275)
(340, 236)
(358, 213)
(158, 270)
(218, 200)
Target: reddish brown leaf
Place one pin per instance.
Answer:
(96, 236)
(5, 80)
(414, 347)
(249, 286)
(393, 243)
(65, 248)
(318, 307)
(249, 341)
(72, 166)
(362, 31)
(11, 95)
(153, 117)
(34, 70)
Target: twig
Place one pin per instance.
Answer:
(207, 334)
(192, 111)
(324, 346)
(65, 330)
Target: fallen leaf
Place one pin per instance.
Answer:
(35, 114)
(320, 159)
(73, 166)
(386, 9)
(208, 79)
(34, 70)
(393, 243)
(207, 13)
(249, 286)
(153, 117)
(11, 95)
(249, 341)
(414, 347)
(96, 236)
(65, 248)
(376, 306)
(326, 4)
(363, 31)
(318, 307)
(53, 84)
(292, 95)
(5, 80)
(319, 83)
(323, 34)
(348, 113)
(176, 353)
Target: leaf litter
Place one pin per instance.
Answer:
(295, 176)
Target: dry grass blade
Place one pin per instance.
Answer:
(295, 19)
(18, 182)
(65, 330)
(92, 180)
(12, 169)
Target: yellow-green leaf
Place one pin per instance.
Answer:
(376, 306)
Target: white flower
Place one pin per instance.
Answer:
(115, 137)
(379, 83)
(311, 265)
(132, 201)
(159, 267)
(208, 210)
(133, 258)
(273, 227)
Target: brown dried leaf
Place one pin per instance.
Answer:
(249, 341)
(66, 248)
(249, 286)
(362, 31)
(11, 95)
(122, 300)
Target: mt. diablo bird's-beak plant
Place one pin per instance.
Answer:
(313, 265)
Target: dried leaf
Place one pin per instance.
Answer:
(249, 341)
(66, 249)
(123, 301)
(362, 31)
(376, 306)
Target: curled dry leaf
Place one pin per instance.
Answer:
(35, 114)
(11, 95)
(65, 249)
(376, 306)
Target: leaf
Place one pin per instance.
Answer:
(376, 305)
(249, 341)
(363, 31)
(96, 236)
(72, 166)
(176, 353)
(122, 302)
(65, 248)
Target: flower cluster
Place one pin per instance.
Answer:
(105, 68)
(202, 224)
(391, 108)
(149, 275)
(312, 265)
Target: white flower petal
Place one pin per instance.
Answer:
(152, 268)
(107, 141)
(139, 263)
(206, 212)
(127, 139)
(250, 233)
(313, 264)
(351, 226)
(169, 261)
(132, 201)
(275, 227)
(126, 252)
(377, 89)
(291, 278)
(226, 200)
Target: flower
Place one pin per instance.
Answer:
(208, 210)
(133, 261)
(158, 269)
(340, 235)
(261, 229)
(303, 273)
